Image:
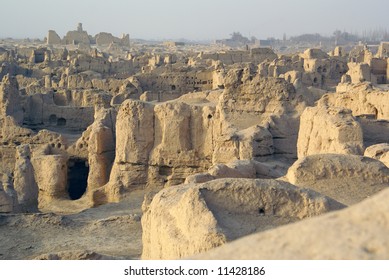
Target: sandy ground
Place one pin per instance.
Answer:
(112, 230)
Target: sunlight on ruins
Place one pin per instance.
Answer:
(123, 148)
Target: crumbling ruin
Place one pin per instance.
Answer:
(212, 138)
(80, 36)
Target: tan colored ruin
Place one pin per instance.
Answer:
(80, 36)
(177, 149)
(171, 230)
(321, 241)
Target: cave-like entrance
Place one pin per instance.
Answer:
(61, 122)
(78, 170)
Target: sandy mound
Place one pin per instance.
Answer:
(190, 219)
(346, 178)
(358, 232)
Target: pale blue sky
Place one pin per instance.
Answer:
(200, 19)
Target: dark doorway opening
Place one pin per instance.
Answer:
(77, 178)
(61, 122)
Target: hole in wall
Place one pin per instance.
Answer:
(39, 57)
(165, 170)
(61, 122)
(78, 171)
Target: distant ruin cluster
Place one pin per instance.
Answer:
(80, 36)
(251, 139)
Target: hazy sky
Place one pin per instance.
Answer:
(191, 19)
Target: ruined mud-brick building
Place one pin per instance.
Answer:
(81, 36)
(88, 120)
